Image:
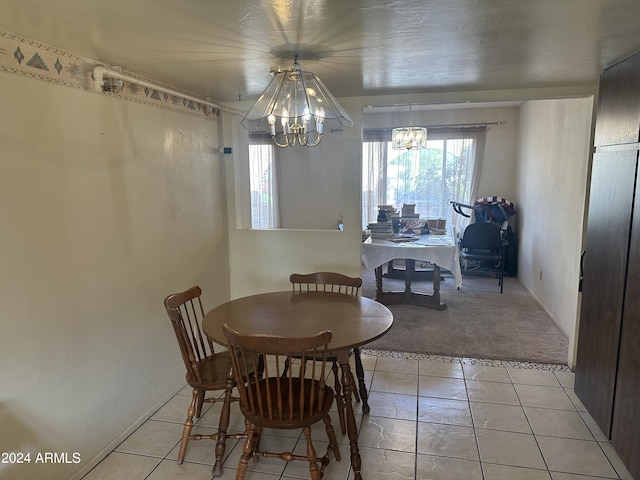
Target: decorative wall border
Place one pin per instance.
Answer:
(29, 58)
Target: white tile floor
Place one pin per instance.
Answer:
(432, 418)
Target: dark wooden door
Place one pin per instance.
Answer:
(618, 117)
(625, 431)
(605, 265)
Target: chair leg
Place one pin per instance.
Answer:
(311, 455)
(339, 398)
(356, 395)
(223, 425)
(502, 272)
(200, 403)
(331, 434)
(256, 442)
(188, 425)
(247, 452)
(362, 386)
(285, 369)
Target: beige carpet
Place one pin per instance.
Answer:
(478, 323)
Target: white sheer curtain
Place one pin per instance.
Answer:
(463, 155)
(448, 169)
(263, 176)
(374, 158)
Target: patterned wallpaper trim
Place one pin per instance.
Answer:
(22, 56)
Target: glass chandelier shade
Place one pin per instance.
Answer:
(294, 108)
(409, 138)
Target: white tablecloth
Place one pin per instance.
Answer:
(438, 249)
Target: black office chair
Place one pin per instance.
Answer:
(482, 242)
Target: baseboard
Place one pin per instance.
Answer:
(117, 441)
(553, 319)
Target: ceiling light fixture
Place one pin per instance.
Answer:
(294, 107)
(409, 137)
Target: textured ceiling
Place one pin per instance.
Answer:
(224, 49)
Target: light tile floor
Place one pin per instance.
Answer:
(432, 418)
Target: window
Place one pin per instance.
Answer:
(446, 170)
(262, 180)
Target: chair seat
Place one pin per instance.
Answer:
(482, 256)
(287, 415)
(213, 371)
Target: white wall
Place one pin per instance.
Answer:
(309, 182)
(554, 150)
(310, 185)
(107, 206)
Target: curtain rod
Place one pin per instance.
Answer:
(462, 125)
(451, 125)
(101, 73)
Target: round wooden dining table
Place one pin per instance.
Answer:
(353, 320)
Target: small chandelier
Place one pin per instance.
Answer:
(293, 109)
(409, 137)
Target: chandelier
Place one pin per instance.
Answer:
(293, 109)
(409, 137)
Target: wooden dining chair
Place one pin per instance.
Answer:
(206, 371)
(337, 283)
(298, 399)
(325, 282)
